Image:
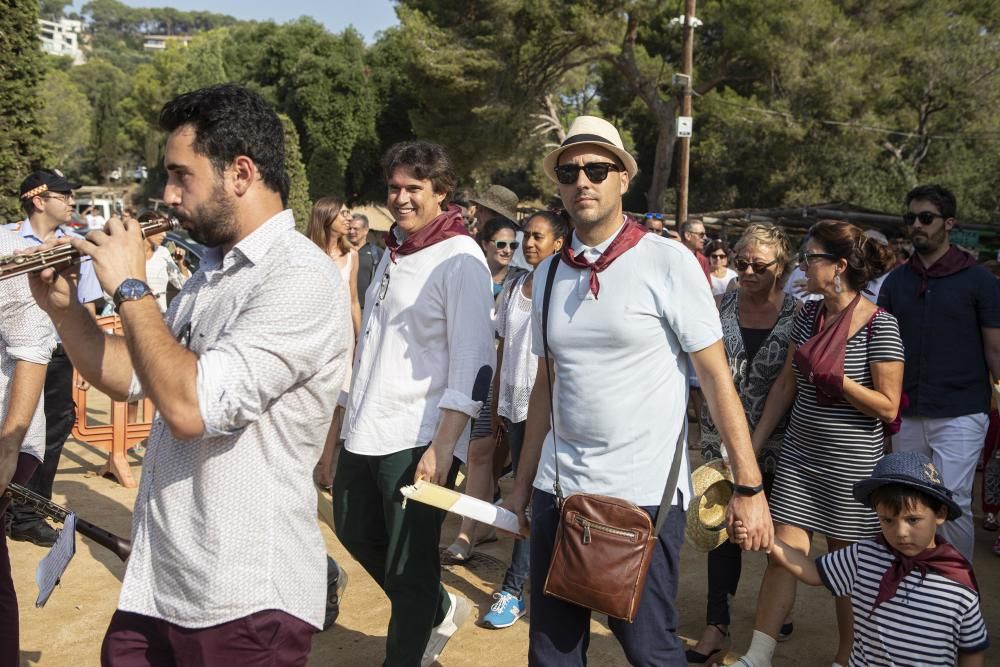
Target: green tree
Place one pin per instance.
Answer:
(52, 9)
(22, 142)
(66, 115)
(298, 193)
(106, 150)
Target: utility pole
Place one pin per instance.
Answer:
(683, 123)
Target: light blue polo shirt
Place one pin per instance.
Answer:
(89, 288)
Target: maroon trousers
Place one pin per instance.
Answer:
(9, 627)
(268, 638)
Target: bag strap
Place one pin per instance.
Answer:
(675, 466)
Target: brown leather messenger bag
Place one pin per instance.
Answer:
(603, 545)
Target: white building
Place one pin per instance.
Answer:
(62, 38)
(159, 42)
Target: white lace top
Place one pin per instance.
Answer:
(517, 375)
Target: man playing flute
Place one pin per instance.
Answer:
(228, 564)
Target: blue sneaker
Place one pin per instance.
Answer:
(504, 612)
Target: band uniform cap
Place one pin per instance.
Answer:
(45, 180)
(909, 469)
(591, 130)
(499, 199)
(712, 488)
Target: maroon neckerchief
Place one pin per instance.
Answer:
(943, 559)
(821, 358)
(449, 223)
(950, 263)
(630, 234)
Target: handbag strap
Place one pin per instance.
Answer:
(675, 466)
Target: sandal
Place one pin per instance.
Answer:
(990, 521)
(785, 633)
(456, 553)
(715, 657)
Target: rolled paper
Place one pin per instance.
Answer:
(461, 504)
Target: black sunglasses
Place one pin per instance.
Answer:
(758, 267)
(596, 172)
(808, 257)
(502, 245)
(925, 217)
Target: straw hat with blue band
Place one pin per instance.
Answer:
(591, 130)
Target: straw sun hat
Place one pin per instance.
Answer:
(706, 516)
(591, 130)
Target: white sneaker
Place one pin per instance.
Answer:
(458, 613)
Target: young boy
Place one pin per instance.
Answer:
(915, 598)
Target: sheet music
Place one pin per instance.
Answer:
(52, 566)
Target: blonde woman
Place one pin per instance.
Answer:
(328, 225)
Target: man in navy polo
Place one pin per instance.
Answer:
(47, 202)
(948, 310)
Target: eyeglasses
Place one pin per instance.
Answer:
(700, 235)
(502, 245)
(758, 267)
(719, 256)
(808, 257)
(924, 217)
(596, 172)
(55, 195)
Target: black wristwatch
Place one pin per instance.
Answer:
(744, 490)
(131, 289)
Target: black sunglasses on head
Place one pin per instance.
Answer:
(596, 172)
(758, 267)
(925, 217)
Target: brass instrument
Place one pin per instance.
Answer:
(117, 545)
(61, 256)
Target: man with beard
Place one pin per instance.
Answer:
(47, 202)
(948, 310)
(227, 564)
(629, 310)
(423, 369)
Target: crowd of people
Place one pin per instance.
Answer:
(291, 362)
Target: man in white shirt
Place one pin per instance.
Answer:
(628, 310)
(227, 564)
(26, 345)
(422, 369)
(47, 201)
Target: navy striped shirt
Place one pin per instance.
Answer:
(928, 622)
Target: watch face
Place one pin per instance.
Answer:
(132, 289)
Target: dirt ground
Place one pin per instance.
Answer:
(67, 632)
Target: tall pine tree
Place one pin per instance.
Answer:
(22, 68)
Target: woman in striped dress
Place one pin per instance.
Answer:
(835, 434)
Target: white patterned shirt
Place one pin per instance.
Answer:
(225, 525)
(25, 335)
(426, 333)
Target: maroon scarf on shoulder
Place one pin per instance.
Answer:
(951, 262)
(449, 223)
(630, 234)
(821, 358)
(943, 559)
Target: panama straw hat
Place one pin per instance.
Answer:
(712, 486)
(591, 130)
(500, 199)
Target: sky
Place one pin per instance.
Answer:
(367, 16)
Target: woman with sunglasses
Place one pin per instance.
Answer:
(544, 235)
(756, 328)
(721, 275)
(327, 228)
(842, 378)
(498, 240)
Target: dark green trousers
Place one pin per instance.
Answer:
(397, 547)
